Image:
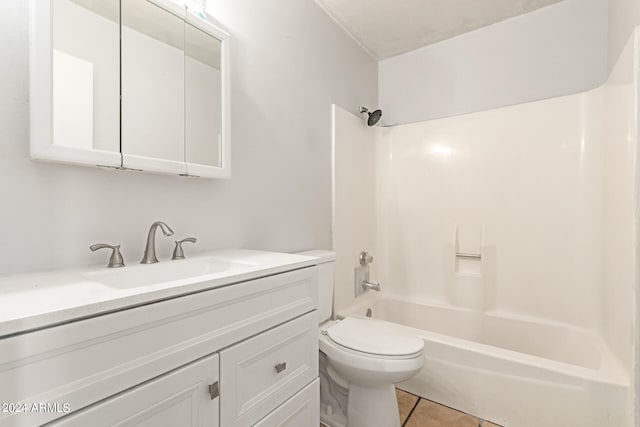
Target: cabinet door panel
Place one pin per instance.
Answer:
(303, 409)
(180, 398)
(262, 372)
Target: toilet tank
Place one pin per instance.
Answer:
(326, 262)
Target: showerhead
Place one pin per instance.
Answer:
(374, 116)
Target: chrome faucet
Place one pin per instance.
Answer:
(150, 249)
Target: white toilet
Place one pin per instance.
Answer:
(364, 358)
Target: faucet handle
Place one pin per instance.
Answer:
(365, 258)
(178, 253)
(116, 257)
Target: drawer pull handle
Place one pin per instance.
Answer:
(281, 367)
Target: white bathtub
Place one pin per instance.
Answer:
(513, 371)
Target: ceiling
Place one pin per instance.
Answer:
(387, 28)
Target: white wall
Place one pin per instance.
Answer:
(290, 62)
(545, 191)
(557, 50)
(523, 186)
(355, 209)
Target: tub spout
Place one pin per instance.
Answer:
(371, 286)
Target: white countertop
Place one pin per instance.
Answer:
(33, 301)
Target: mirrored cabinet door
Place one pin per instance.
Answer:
(207, 102)
(203, 100)
(75, 79)
(86, 105)
(153, 87)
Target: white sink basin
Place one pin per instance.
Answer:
(167, 271)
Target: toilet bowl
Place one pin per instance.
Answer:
(371, 356)
(366, 356)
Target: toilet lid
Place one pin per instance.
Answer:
(374, 337)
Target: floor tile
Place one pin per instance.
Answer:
(406, 402)
(430, 414)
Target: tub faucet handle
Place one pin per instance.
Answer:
(116, 260)
(365, 258)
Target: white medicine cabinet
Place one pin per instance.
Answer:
(130, 84)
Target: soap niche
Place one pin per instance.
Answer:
(468, 264)
(467, 272)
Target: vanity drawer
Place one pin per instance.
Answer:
(89, 360)
(303, 409)
(259, 374)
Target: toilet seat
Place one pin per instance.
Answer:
(372, 337)
(370, 369)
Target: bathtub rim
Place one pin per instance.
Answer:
(609, 372)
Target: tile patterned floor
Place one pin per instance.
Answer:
(418, 412)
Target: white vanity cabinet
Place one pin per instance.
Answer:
(238, 355)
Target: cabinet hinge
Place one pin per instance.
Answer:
(214, 390)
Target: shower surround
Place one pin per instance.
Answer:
(522, 215)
